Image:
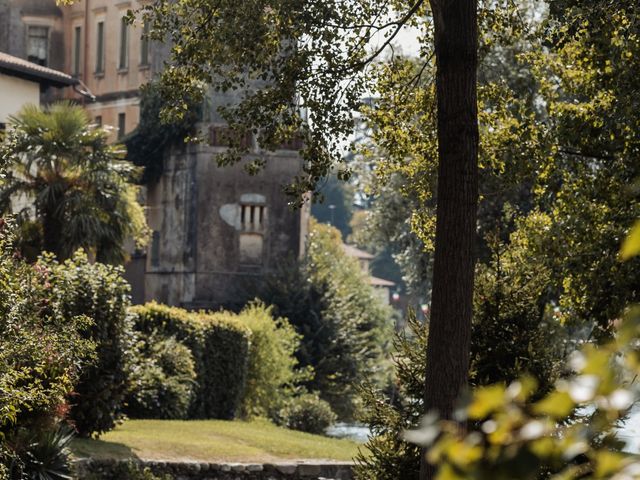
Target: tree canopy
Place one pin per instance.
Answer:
(299, 69)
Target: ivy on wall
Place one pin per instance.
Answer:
(154, 135)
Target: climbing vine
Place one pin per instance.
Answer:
(148, 142)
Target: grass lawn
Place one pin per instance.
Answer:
(212, 441)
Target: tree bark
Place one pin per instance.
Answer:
(456, 47)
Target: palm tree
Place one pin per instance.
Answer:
(78, 187)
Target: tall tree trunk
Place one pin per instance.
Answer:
(456, 46)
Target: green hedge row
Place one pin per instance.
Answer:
(220, 347)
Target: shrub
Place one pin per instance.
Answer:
(46, 456)
(99, 292)
(345, 327)
(272, 374)
(308, 413)
(513, 331)
(41, 354)
(220, 348)
(162, 380)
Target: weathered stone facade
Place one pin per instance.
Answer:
(216, 230)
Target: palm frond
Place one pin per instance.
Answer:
(80, 183)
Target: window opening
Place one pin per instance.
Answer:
(121, 125)
(100, 48)
(124, 44)
(252, 217)
(38, 45)
(77, 38)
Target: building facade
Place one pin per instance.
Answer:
(110, 57)
(214, 240)
(23, 82)
(91, 41)
(215, 231)
(382, 288)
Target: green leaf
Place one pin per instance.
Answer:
(556, 405)
(631, 245)
(486, 400)
(608, 463)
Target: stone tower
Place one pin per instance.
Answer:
(216, 231)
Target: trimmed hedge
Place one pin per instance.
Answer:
(220, 348)
(163, 379)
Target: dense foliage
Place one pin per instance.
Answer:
(43, 350)
(70, 187)
(514, 330)
(272, 376)
(162, 380)
(149, 142)
(219, 344)
(345, 329)
(308, 413)
(99, 292)
(589, 83)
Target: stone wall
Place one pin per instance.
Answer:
(218, 230)
(104, 470)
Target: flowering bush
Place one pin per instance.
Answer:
(42, 351)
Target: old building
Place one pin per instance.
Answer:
(213, 239)
(23, 82)
(33, 31)
(381, 287)
(215, 231)
(110, 57)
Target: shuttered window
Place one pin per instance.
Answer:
(144, 45)
(38, 45)
(123, 61)
(77, 47)
(100, 48)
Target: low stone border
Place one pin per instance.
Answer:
(104, 469)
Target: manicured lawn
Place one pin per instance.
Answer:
(212, 441)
